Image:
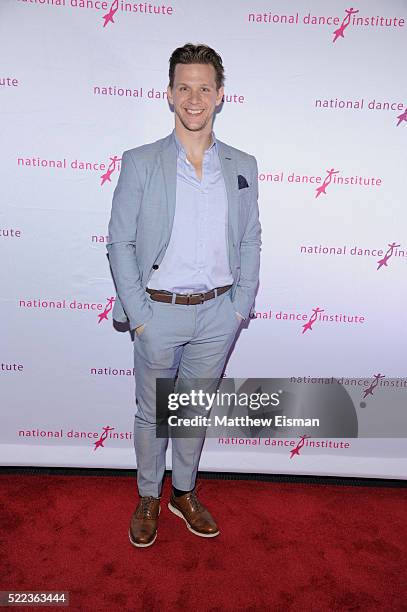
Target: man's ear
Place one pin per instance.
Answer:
(169, 95)
(219, 95)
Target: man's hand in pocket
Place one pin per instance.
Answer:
(139, 329)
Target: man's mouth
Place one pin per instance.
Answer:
(194, 112)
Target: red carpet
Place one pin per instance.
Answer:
(282, 546)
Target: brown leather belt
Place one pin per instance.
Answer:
(186, 298)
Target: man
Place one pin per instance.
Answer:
(184, 244)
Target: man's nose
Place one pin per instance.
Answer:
(195, 96)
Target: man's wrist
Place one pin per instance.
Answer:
(139, 328)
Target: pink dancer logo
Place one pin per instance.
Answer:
(327, 181)
(102, 316)
(369, 390)
(402, 117)
(308, 325)
(108, 18)
(389, 253)
(103, 437)
(114, 165)
(296, 450)
(339, 33)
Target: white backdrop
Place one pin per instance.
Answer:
(319, 97)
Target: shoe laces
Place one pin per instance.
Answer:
(195, 503)
(146, 505)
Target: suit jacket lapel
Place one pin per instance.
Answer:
(169, 167)
(229, 170)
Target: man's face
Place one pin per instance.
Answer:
(194, 95)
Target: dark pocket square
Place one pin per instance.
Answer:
(242, 181)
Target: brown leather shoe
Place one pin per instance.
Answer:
(196, 516)
(143, 525)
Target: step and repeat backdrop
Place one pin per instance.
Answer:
(317, 92)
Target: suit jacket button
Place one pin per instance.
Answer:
(155, 267)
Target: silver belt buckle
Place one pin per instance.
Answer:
(202, 294)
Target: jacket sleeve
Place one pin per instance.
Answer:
(249, 252)
(121, 244)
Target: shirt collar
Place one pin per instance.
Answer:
(180, 148)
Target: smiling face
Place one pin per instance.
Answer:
(194, 96)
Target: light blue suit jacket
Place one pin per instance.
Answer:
(142, 216)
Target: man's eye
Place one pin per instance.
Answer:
(205, 88)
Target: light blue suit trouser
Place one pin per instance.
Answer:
(193, 340)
